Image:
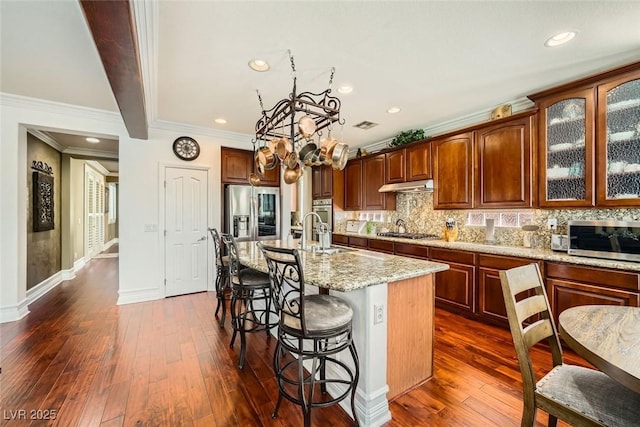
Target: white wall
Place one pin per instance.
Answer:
(141, 270)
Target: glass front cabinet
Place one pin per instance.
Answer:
(618, 151)
(566, 149)
(589, 143)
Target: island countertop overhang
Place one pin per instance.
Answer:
(346, 271)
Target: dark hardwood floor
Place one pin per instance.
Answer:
(84, 361)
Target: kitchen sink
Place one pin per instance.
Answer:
(334, 250)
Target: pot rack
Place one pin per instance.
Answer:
(280, 120)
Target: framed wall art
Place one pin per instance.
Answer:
(42, 197)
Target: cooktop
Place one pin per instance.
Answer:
(414, 236)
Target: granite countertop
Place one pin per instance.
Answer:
(515, 251)
(345, 271)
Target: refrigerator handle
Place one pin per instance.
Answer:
(253, 219)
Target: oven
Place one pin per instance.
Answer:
(324, 208)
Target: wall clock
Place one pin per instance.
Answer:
(186, 148)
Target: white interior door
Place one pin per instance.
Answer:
(185, 231)
(94, 211)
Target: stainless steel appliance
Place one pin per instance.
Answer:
(605, 239)
(252, 213)
(560, 242)
(324, 208)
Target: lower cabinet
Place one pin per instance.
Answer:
(410, 250)
(570, 285)
(456, 287)
(381, 246)
(490, 299)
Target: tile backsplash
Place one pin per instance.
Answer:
(416, 209)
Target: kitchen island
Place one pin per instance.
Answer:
(393, 302)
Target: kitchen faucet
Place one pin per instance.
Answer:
(323, 229)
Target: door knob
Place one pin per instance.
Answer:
(202, 238)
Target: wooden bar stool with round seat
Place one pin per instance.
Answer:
(314, 329)
(251, 305)
(222, 274)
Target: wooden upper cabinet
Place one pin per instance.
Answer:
(565, 149)
(418, 162)
(373, 177)
(503, 161)
(322, 182)
(352, 185)
(618, 147)
(453, 172)
(396, 166)
(237, 165)
(316, 182)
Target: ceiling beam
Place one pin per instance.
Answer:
(114, 34)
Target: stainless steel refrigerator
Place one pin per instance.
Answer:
(252, 213)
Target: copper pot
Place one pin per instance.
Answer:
(291, 160)
(266, 158)
(254, 180)
(259, 169)
(306, 126)
(283, 147)
(291, 175)
(339, 156)
(326, 150)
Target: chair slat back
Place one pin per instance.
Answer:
(217, 247)
(232, 250)
(287, 282)
(515, 282)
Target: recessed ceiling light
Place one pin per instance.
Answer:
(560, 38)
(258, 65)
(393, 110)
(92, 140)
(220, 121)
(345, 89)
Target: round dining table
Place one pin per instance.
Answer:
(608, 337)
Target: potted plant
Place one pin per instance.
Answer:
(406, 137)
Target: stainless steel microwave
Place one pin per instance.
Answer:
(605, 239)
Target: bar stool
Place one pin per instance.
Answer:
(312, 328)
(251, 305)
(222, 274)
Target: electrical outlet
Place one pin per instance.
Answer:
(552, 223)
(378, 313)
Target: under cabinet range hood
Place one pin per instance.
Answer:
(425, 185)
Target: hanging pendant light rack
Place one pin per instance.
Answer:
(283, 121)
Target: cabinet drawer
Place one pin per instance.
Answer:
(340, 239)
(446, 255)
(503, 263)
(598, 276)
(358, 242)
(381, 245)
(414, 251)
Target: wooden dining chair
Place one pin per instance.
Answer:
(580, 396)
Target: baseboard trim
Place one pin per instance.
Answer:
(110, 243)
(78, 264)
(43, 287)
(138, 295)
(13, 313)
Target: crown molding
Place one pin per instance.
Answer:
(46, 138)
(98, 167)
(19, 101)
(90, 153)
(146, 16)
(461, 122)
(200, 130)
